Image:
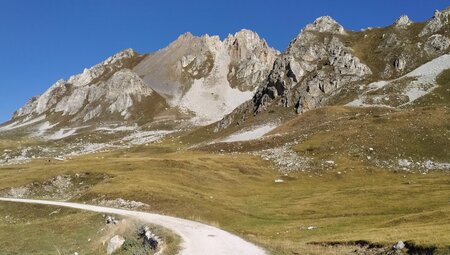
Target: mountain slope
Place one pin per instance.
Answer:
(207, 76)
(196, 78)
(326, 64)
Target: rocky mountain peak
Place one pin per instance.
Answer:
(325, 24)
(246, 43)
(403, 21)
(123, 59)
(108, 87)
(250, 59)
(440, 20)
(205, 76)
(243, 37)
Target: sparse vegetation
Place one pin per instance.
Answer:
(36, 229)
(364, 179)
(238, 193)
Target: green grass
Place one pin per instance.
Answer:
(39, 229)
(33, 229)
(237, 193)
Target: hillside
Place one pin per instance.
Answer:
(338, 145)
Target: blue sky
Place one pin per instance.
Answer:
(46, 40)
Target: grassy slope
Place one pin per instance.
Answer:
(30, 229)
(38, 229)
(238, 193)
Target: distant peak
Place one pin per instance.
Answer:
(439, 20)
(124, 54)
(246, 33)
(185, 36)
(325, 24)
(440, 14)
(128, 52)
(403, 21)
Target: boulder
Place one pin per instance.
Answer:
(399, 245)
(114, 244)
(110, 220)
(150, 239)
(399, 64)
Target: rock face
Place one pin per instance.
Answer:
(436, 45)
(439, 21)
(402, 22)
(203, 77)
(324, 62)
(206, 76)
(114, 244)
(325, 24)
(107, 90)
(315, 64)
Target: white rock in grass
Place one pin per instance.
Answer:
(114, 244)
(399, 245)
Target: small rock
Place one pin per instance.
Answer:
(311, 227)
(111, 220)
(150, 238)
(404, 162)
(279, 181)
(399, 245)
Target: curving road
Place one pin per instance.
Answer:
(197, 238)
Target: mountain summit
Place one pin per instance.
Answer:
(199, 80)
(326, 65)
(195, 78)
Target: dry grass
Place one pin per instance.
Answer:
(237, 192)
(33, 229)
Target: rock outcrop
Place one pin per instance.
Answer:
(316, 64)
(325, 24)
(206, 76)
(439, 21)
(400, 64)
(149, 238)
(203, 78)
(325, 61)
(106, 90)
(436, 45)
(403, 22)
